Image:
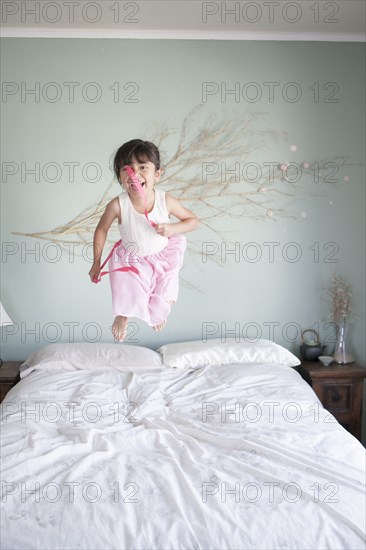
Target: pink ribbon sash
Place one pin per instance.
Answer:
(102, 273)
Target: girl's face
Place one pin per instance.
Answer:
(145, 172)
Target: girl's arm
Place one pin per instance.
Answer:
(111, 212)
(188, 220)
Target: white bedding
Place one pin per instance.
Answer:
(168, 471)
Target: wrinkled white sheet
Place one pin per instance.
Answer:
(146, 460)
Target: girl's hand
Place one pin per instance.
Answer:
(94, 272)
(165, 229)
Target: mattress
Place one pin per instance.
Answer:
(218, 456)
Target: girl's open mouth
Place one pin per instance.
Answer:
(133, 184)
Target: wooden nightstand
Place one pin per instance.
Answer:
(9, 376)
(340, 390)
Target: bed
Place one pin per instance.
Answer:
(199, 445)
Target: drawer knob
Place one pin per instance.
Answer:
(335, 397)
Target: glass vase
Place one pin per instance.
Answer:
(342, 353)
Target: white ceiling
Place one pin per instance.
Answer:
(341, 20)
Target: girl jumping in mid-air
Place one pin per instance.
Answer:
(145, 282)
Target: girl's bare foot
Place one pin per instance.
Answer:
(160, 326)
(119, 328)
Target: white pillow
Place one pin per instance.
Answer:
(90, 356)
(216, 352)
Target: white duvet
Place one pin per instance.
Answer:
(236, 456)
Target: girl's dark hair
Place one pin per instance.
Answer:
(137, 149)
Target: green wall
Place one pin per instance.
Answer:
(287, 247)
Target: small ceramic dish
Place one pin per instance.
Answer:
(325, 359)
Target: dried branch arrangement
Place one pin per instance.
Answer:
(205, 171)
(341, 296)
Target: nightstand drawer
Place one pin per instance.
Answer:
(337, 398)
(9, 376)
(4, 388)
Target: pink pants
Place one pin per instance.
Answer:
(145, 295)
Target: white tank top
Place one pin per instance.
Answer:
(136, 232)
